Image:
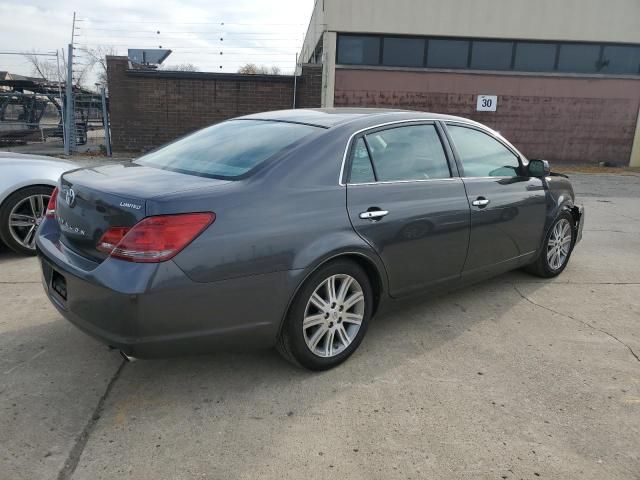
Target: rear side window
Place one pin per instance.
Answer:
(481, 155)
(229, 149)
(361, 169)
(408, 153)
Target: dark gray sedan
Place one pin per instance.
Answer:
(292, 228)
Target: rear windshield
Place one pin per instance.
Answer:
(229, 149)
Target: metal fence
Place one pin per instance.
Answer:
(28, 117)
(32, 122)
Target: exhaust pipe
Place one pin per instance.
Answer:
(127, 358)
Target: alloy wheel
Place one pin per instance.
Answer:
(559, 245)
(25, 217)
(333, 315)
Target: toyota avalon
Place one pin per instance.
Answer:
(292, 228)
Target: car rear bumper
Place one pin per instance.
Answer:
(155, 310)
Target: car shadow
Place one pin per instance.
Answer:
(242, 386)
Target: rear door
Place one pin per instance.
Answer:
(508, 208)
(405, 199)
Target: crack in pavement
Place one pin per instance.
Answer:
(73, 458)
(586, 324)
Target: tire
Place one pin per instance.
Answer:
(549, 267)
(334, 330)
(18, 203)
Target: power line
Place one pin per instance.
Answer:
(119, 22)
(230, 32)
(169, 46)
(30, 53)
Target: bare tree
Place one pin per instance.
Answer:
(181, 67)
(253, 69)
(97, 58)
(47, 68)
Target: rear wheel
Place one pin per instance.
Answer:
(556, 250)
(20, 215)
(328, 317)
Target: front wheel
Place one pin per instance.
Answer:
(557, 248)
(328, 317)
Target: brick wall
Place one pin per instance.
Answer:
(562, 119)
(149, 108)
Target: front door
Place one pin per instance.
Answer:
(508, 208)
(404, 201)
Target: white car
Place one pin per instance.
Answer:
(26, 183)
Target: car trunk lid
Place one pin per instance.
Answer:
(93, 200)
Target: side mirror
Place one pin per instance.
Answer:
(539, 168)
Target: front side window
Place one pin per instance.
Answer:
(482, 155)
(408, 153)
(228, 149)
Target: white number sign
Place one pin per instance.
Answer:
(487, 103)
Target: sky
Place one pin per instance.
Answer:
(245, 31)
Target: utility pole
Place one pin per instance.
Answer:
(73, 28)
(105, 120)
(62, 114)
(70, 133)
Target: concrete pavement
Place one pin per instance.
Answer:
(513, 378)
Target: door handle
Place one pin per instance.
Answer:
(480, 202)
(374, 214)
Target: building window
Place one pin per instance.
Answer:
(491, 55)
(358, 50)
(448, 53)
(403, 52)
(579, 58)
(620, 59)
(535, 57)
(486, 54)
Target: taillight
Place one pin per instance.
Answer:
(154, 239)
(53, 202)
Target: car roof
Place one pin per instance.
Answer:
(331, 117)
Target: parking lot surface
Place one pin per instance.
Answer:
(514, 378)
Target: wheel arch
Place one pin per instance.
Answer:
(373, 268)
(6, 194)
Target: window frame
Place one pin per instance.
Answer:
(345, 176)
(503, 142)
